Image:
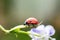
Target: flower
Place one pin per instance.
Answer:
(42, 32)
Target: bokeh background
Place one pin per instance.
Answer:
(15, 12)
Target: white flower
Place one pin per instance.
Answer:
(42, 33)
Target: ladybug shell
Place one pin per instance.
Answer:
(31, 21)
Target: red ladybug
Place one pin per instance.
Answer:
(32, 21)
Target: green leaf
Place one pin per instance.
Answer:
(22, 36)
(15, 36)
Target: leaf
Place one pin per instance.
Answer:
(22, 36)
(12, 36)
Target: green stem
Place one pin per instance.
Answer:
(24, 32)
(17, 27)
(3, 29)
(19, 31)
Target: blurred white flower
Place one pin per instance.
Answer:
(42, 32)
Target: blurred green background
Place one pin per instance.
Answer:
(15, 12)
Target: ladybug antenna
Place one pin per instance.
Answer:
(41, 22)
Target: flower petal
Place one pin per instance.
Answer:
(34, 30)
(40, 27)
(50, 30)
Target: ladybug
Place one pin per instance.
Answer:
(31, 21)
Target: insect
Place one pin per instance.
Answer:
(32, 22)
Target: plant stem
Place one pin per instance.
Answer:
(3, 29)
(24, 32)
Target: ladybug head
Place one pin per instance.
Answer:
(31, 21)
